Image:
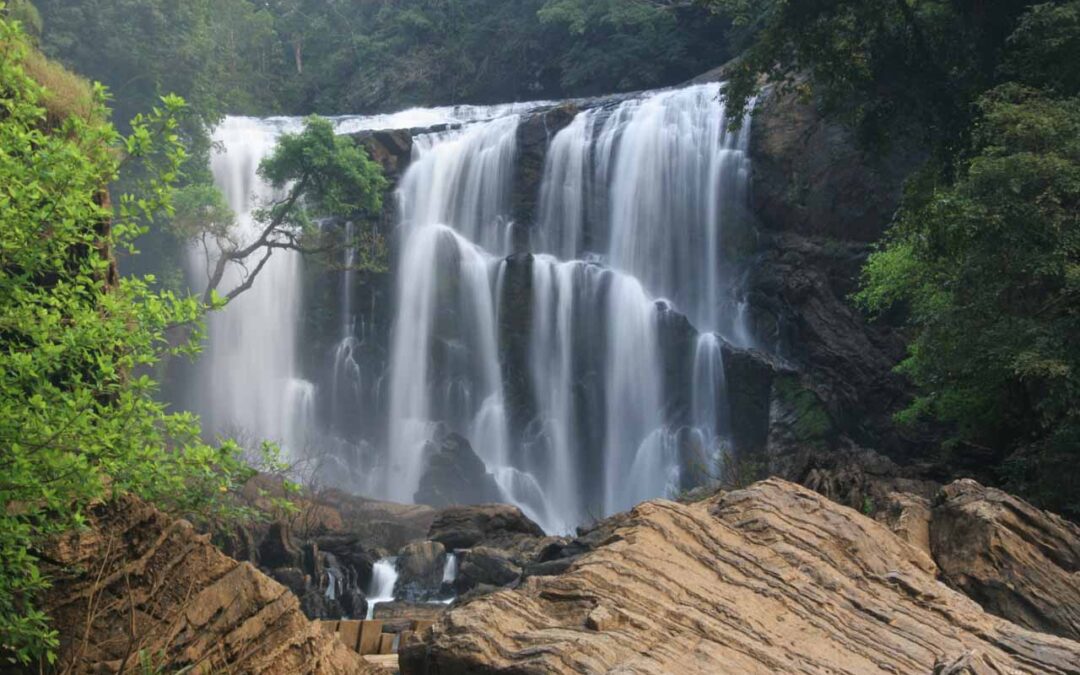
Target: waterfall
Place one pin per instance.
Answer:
(250, 383)
(384, 576)
(649, 186)
(553, 353)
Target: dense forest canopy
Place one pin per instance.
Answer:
(357, 56)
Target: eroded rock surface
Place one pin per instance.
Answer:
(139, 582)
(1015, 560)
(774, 578)
(494, 525)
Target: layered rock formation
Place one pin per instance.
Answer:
(138, 586)
(1015, 560)
(774, 578)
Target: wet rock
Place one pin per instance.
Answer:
(774, 578)
(821, 201)
(486, 566)
(353, 554)
(1015, 560)
(369, 523)
(293, 579)
(278, 549)
(392, 149)
(455, 475)
(495, 525)
(533, 137)
(138, 581)
(420, 570)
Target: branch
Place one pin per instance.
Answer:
(250, 278)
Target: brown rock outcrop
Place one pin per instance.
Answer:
(1013, 559)
(495, 525)
(770, 579)
(140, 583)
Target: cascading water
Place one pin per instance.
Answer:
(249, 384)
(558, 366)
(384, 576)
(649, 186)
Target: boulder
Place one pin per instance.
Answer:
(486, 566)
(138, 582)
(1016, 561)
(455, 475)
(293, 579)
(353, 554)
(773, 578)
(368, 523)
(420, 569)
(495, 525)
(392, 149)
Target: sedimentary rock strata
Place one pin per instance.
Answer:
(770, 579)
(139, 586)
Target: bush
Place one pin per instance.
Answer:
(78, 417)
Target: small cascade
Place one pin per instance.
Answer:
(450, 571)
(384, 576)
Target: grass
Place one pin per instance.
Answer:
(66, 94)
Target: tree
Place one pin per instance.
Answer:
(78, 418)
(621, 45)
(887, 67)
(989, 268)
(321, 175)
(987, 265)
(983, 258)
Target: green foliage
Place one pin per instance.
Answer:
(881, 65)
(323, 176)
(332, 173)
(989, 268)
(618, 45)
(984, 256)
(78, 417)
(27, 15)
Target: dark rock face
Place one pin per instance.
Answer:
(391, 149)
(533, 137)
(820, 203)
(278, 550)
(349, 549)
(1016, 561)
(455, 475)
(496, 525)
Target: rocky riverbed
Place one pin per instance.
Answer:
(772, 578)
